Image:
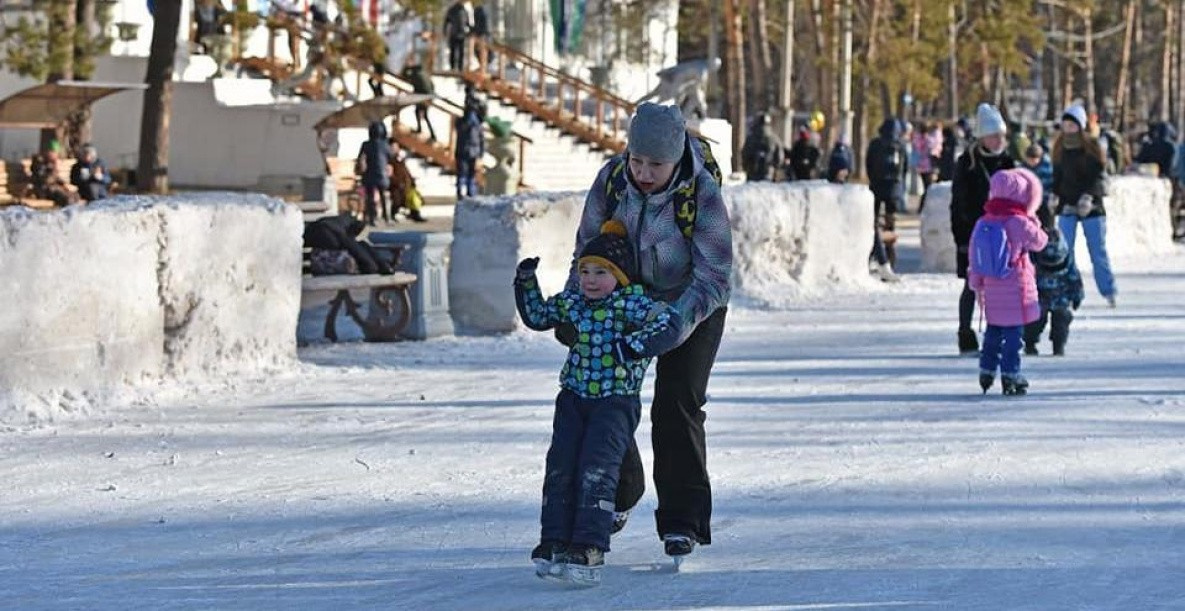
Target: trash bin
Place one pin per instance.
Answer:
(427, 256)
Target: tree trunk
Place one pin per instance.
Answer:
(1179, 117)
(152, 174)
(845, 80)
(761, 61)
(1088, 26)
(824, 91)
(870, 54)
(1138, 92)
(786, 91)
(735, 59)
(60, 47)
(79, 124)
(953, 61)
(1124, 66)
(1166, 59)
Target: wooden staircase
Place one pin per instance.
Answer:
(440, 152)
(588, 113)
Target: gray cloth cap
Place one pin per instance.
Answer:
(658, 132)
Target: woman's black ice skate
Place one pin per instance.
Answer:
(619, 520)
(548, 557)
(678, 547)
(1014, 385)
(583, 564)
(985, 381)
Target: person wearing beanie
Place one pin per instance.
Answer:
(983, 157)
(802, 160)
(1002, 275)
(1079, 170)
(1059, 290)
(683, 259)
(598, 406)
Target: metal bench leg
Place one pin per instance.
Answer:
(378, 327)
(342, 298)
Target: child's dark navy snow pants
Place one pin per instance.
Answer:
(588, 441)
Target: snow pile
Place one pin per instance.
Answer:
(789, 239)
(938, 245)
(1137, 223)
(490, 237)
(1137, 219)
(139, 290)
(797, 239)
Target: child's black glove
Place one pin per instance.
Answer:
(526, 268)
(1077, 302)
(566, 334)
(622, 352)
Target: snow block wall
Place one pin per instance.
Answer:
(938, 245)
(133, 291)
(789, 239)
(490, 237)
(1137, 223)
(1137, 219)
(795, 239)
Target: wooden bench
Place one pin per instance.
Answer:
(16, 184)
(389, 310)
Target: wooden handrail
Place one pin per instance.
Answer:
(601, 127)
(442, 104)
(499, 48)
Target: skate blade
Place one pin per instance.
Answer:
(550, 571)
(583, 577)
(678, 561)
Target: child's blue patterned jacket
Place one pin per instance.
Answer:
(641, 327)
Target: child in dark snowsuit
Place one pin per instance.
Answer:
(598, 407)
(1059, 289)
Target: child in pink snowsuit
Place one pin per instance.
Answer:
(1007, 289)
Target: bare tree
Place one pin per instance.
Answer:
(735, 64)
(152, 174)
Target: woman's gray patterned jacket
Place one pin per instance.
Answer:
(690, 274)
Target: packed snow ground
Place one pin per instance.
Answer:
(854, 462)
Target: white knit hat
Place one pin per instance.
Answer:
(989, 121)
(1077, 113)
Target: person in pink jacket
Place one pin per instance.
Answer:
(1002, 275)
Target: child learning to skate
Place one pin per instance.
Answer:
(598, 407)
(1002, 275)
(1059, 289)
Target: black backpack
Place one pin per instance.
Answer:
(892, 163)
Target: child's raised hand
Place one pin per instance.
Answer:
(526, 268)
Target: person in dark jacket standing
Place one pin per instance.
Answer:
(969, 192)
(803, 159)
(886, 164)
(762, 153)
(1078, 169)
(952, 148)
(470, 146)
(1160, 150)
(90, 175)
(374, 157)
(839, 162)
(458, 23)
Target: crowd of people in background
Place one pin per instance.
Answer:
(932, 150)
